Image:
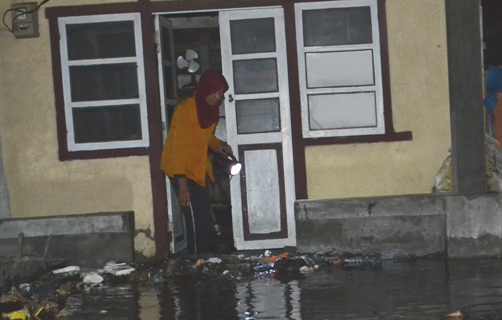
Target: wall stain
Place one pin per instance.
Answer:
(371, 205)
(146, 232)
(305, 212)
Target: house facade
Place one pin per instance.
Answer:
(328, 100)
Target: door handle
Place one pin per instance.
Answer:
(230, 98)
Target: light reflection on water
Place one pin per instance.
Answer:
(425, 289)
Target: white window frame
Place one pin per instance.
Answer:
(376, 88)
(69, 105)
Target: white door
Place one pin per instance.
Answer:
(253, 51)
(168, 100)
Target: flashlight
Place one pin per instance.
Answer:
(227, 163)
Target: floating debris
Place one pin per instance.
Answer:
(306, 269)
(351, 261)
(214, 260)
(46, 296)
(275, 258)
(92, 278)
(67, 270)
(455, 315)
(118, 269)
(21, 314)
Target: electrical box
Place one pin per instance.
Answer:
(25, 20)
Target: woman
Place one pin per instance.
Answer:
(185, 157)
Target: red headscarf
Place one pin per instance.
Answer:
(210, 82)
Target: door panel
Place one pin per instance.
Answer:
(258, 127)
(263, 175)
(167, 72)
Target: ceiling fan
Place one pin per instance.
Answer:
(188, 61)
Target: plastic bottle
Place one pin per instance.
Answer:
(262, 267)
(360, 261)
(354, 262)
(308, 260)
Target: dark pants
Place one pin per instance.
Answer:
(203, 238)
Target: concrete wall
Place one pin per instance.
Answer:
(420, 103)
(83, 240)
(387, 225)
(39, 184)
(474, 225)
(454, 226)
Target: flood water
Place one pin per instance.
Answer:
(424, 289)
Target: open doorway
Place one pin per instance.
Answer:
(189, 46)
(249, 46)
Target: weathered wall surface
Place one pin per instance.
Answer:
(454, 226)
(84, 240)
(39, 184)
(420, 103)
(474, 226)
(391, 226)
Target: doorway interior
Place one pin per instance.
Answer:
(199, 33)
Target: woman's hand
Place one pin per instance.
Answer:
(225, 148)
(183, 192)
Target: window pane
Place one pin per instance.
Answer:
(255, 116)
(255, 76)
(100, 40)
(104, 82)
(337, 69)
(103, 124)
(341, 26)
(342, 111)
(252, 35)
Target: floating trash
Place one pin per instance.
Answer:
(92, 278)
(118, 269)
(16, 315)
(455, 315)
(288, 265)
(275, 258)
(306, 269)
(214, 260)
(260, 267)
(360, 261)
(67, 270)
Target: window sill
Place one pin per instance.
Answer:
(65, 155)
(388, 137)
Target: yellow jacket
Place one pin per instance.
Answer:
(185, 151)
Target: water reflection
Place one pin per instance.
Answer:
(476, 288)
(117, 302)
(267, 298)
(402, 291)
(425, 289)
(150, 304)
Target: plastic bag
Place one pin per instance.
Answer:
(444, 177)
